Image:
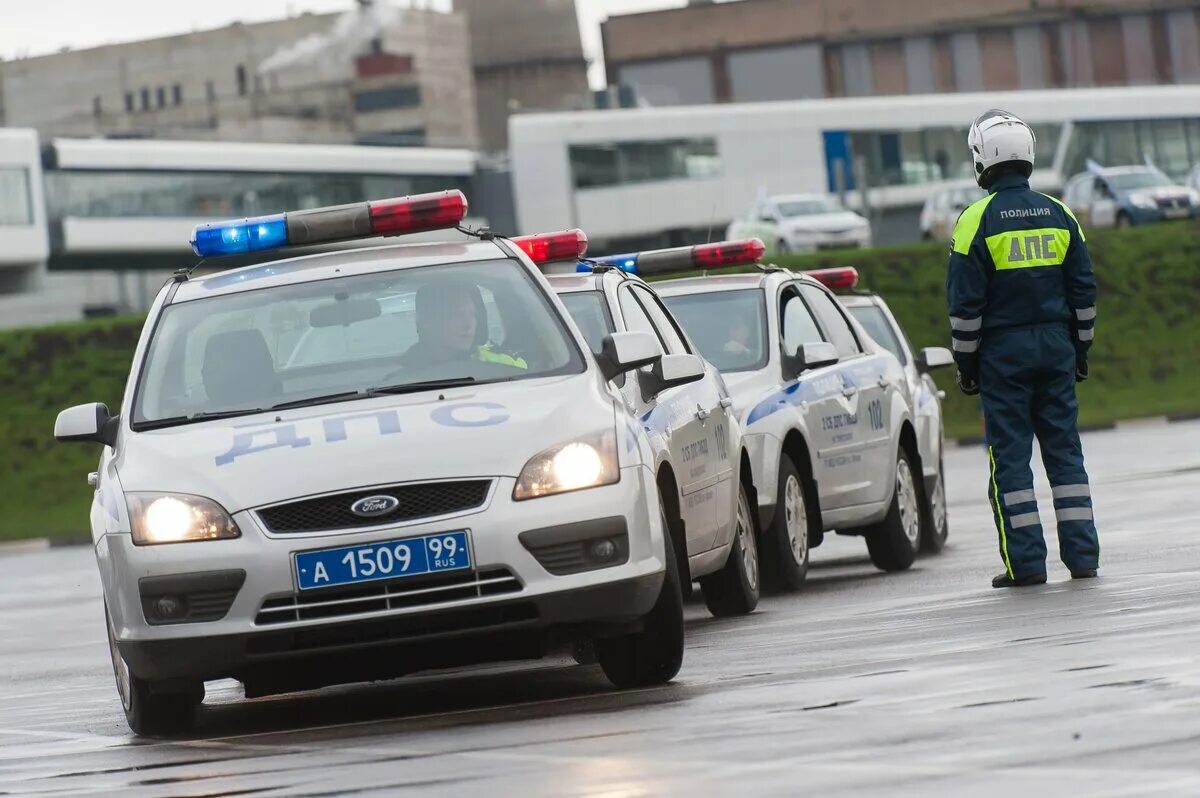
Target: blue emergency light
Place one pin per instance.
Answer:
(703, 256)
(416, 214)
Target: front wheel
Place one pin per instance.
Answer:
(148, 711)
(935, 527)
(786, 540)
(734, 589)
(653, 655)
(893, 542)
(1124, 220)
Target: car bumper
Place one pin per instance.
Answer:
(763, 450)
(255, 573)
(1139, 215)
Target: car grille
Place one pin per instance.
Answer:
(410, 592)
(420, 500)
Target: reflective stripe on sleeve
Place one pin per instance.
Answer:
(1026, 519)
(1086, 335)
(1019, 497)
(964, 346)
(1086, 314)
(1073, 514)
(1072, 491)
(965, 325)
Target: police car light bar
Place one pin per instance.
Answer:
(550, 247)
(416, 214)
(702, 256)
(833, 279)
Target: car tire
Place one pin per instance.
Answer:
(786, 542)
(935, 526)
(734, 589)
(1124, 220)
(893, 542)
(149, 711)
(653, 655)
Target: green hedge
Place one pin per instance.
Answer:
(1143, 362)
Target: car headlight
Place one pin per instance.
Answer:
(177, 518)
(1142, 201)
(586, 462)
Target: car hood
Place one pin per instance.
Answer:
(248, 461)
(1164, 193)
(824, 222)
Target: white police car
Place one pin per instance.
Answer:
(827, 415)
(702, 469)
(358, 464)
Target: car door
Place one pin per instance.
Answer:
(1104, 204)
(822, 405)
(712, 405)
(866, 387)
(672, 417)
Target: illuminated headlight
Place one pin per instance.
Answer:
(177, 518)
(586, 462)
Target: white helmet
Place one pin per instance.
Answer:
(998, 137)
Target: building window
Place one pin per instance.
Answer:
(145, 99)
(384, 99)
(595, 165)
(177, 94)
(240, 74)
(129, 102)
(15, 206)
(1171, 144)
(160, 96)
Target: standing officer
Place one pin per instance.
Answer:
(1022, 301)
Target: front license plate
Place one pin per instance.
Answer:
(1176, 213)
(370, 562)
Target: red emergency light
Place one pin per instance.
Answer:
(676, 259)
(835, 278)
(550, 247)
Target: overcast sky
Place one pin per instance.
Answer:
(37, 27)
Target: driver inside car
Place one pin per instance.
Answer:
(452, 326)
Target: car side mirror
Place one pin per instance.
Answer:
(934, 357)
(670, 371)
(809, 356)
(87, 423)
(621, 352)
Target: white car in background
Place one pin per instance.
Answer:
(943, 207)
(802, 223)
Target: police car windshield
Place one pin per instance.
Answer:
(350, 337)
(808, 207)
(1131, 181)
(728, 327)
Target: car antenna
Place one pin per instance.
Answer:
(708, 238)
(183, 274)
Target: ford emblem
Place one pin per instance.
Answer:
(374, 506)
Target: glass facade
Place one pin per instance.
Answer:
(595, 165)
(913, 157)
(209, 195)
(15, 207)
(1173, 145)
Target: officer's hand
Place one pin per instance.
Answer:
(969, 385)
(1081, 370)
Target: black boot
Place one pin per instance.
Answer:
(1003, 580)
(1084, 573)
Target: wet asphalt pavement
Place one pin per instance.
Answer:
(925, 682)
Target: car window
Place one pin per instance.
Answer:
(248, 350)
(662, 322)
(876, 323)
(590, 312)
(1132, 181)
(832, 320)
(799, 327)
(635, 317)
(729, 328)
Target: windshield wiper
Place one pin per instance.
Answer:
(319, 400)
(414, 387)
(208, 415)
